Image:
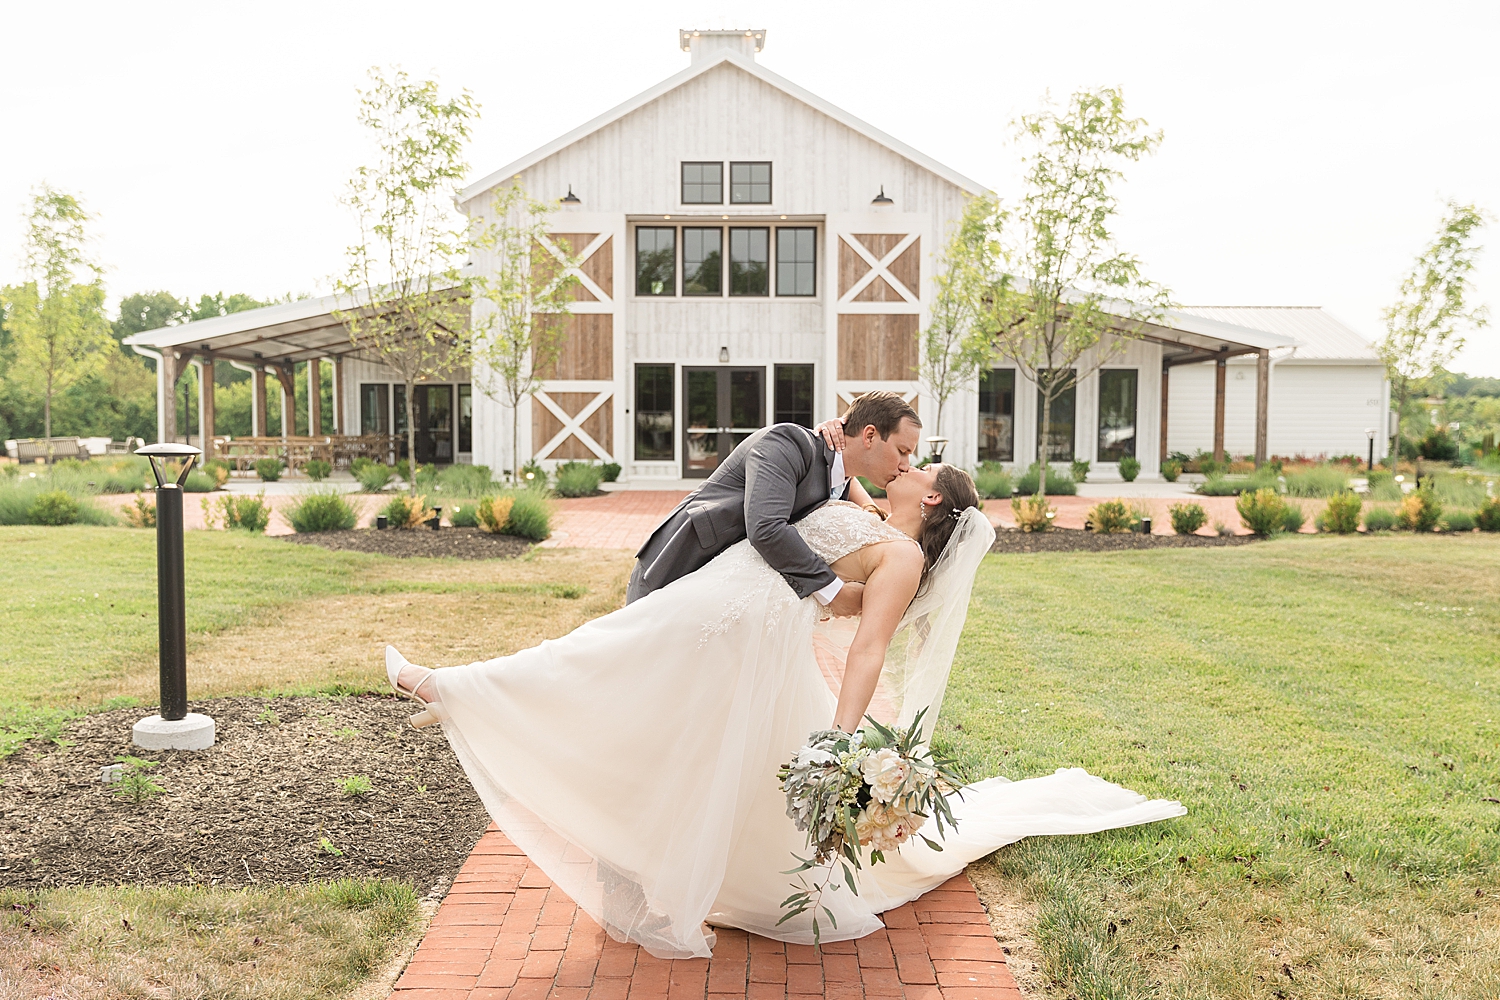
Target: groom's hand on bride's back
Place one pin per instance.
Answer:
(848, 602)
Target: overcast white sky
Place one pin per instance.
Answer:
(1308, 145)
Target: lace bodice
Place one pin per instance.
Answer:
(839, 527)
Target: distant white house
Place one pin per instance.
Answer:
(751, 253)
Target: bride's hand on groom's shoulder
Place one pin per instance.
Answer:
(833, 432)
(848, 602)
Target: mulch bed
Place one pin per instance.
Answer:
(254, 809)
(1075, 540)
(407, 543)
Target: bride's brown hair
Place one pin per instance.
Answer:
(938, 522)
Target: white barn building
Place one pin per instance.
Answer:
(751, 253)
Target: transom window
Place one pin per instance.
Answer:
(742, 266)
(750, 183)
(703, 184)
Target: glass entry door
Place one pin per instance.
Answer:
(721, 407)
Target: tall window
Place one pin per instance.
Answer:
(796, 261)
(653, 412)
(1117, 394)
(749, 262)
(750, 183)
(997, 415)
(465, 417)
(702, 261)
(1060, 438)
(703, 183)
(794, 394)
(374, 408)
(655, 260)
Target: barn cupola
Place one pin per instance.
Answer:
(705, 44)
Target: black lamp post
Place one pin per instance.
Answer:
(1370, 462)
(174, 728)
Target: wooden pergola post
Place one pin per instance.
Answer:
(1262, 403)
(206, 407)
(314, 398)
(167, 398)
(288, 379)
(1166, 372)
(1220, 366)
(258, 403)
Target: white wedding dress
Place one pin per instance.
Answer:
(634, 759)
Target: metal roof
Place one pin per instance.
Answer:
(1319, 335)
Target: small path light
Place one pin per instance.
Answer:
(175, 728)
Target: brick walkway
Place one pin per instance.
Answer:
(620, 520)
(506, 933)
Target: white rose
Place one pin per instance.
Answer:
(884, 771)
(882, 828)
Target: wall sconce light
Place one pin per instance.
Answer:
(881, 199)
(570, 198)
(724, 355)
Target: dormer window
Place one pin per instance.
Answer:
(703, 183)
(750, 183)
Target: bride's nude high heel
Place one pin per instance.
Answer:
(394, 662)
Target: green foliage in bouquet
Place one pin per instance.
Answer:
(874, 788)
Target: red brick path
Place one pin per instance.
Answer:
(506, 933)
(620, 520)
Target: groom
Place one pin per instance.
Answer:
(776, 477)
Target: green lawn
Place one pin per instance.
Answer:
(1322, 706)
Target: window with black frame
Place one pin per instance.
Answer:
(1117, 404)
(997, 415)
(702, 261)
(796, 261)
(465, 418)
(794, 394)
(655, 260)
(750, 183)
(749, 261)
(1060, 431)
(654, 425)
(703, 183)
(374, 408)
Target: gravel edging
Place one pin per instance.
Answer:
(418, 543)
(1074, 540)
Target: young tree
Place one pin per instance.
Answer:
(1424, 329)
(58, 331)
(955, 344)
(1066, 300)
(407, 296)
(523, 303)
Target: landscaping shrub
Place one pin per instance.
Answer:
(1459, 489)
(1217, 485)
(1130, 468)
(374, 477)
(1263, 512)
(992, 481)
(142, 513)
(1438, 446)
(611, 471)
(1080, 470)
(407, 511)
(465, 480)
(1316, 481)
(19, 494)
(464, 515)
(241, 513)
(1458, 520)
(578, 479)
(533, 474)
(1110, 517)
(1187, 517)
(530, 515)
(1487, 518)
(403, 469)
(219, 470)
(362, 462)
(1420, 510)
(1380, 519)
(1059, 484)
(1210, 468)
(493, 513)
(1222, 530)
(1171, 469)
(1032, 512)
(200, 482)
(54, 507)
(1341, 516)
(321, 510)
(317, 470)
(1295, 517)
(268, 469)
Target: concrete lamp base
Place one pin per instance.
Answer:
(195, 732)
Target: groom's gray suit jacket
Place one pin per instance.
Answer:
(776, 477)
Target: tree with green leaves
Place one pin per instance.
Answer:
(522, 303)
(1425, 328)
(956, 344)
(404, 293)
(1065, 300)
(55, 319)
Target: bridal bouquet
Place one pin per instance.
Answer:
(871, 789)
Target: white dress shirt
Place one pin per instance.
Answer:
(837, 480)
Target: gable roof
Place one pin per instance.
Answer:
(1319, 335)
(693, 72)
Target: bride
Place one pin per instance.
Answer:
(634, 759)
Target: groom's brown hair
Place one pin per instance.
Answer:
(881, 408)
